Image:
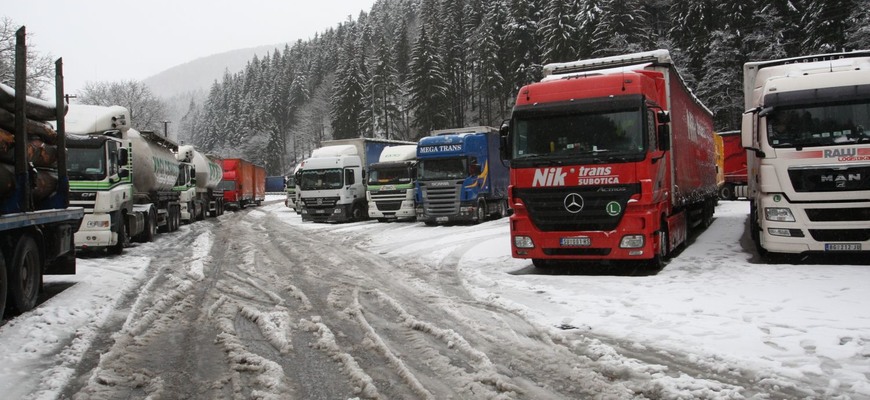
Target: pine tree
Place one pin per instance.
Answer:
(348, 95)
(623, 28)
(858, 26)
(825, 25)
(428, 86)
(721, 88)
(522, 31)
(559, 31)
(588, 18)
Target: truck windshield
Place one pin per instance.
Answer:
(444, 168)
(389, 174)
(291, 182)
(320, 179)
(612, 132)
(824, 125)
(86, 164)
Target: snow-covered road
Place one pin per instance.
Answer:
(259, 304)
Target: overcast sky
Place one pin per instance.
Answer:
(110, 40)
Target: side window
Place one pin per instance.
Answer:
(348, 177)
(651, 129)
(113, 159)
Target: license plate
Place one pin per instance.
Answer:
(842, 246)
(320, 211)
(441, 219)
(574, 241)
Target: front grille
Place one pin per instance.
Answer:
(840, 235)
(389, 200)
(320, 202)
(838, 214)
(830, 179)
(441, 200)
(548, 211)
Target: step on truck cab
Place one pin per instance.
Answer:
(461, 176)
(807, 132)
(612, 159)
(391, 184)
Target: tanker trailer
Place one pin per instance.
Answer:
(207, 173)
(123, 179)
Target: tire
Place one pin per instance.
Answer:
(356, 213)
(502, 208)
(24, 275)
(726, 192)
(658, 261)
(481, 211)
(177, 218)
(709, 210)
(4, 286)
(118, 248)
(755, 231)
(150, 227)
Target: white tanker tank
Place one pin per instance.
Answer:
(208, 167)
(155, 168)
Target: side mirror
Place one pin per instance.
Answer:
(664, 117)
(504, 136)
(664, 138)
(123, 157)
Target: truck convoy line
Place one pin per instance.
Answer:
(807, 132)
(36, 222)
(331, 183)
(612, 159)
(243, 184)
(461, 176)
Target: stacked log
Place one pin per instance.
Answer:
(41, 145)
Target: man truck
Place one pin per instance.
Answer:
(122, 177)
(807, 133)
(612, 160)
(461, 176)
(36, 222)
(332, 184)
(198, 180)
(391, 184)
(735, 183)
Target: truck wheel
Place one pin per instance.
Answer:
(502, 208)
(24, 276)
(356, 213)
(118, 248)
(4, 284)
(481, 211)
(658, 261)
(726, 192)
(177, 218)
(709, 210)
(150, 227)
(755, 231)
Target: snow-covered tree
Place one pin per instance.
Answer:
(147, 112)
(40, 67)
(559, 31)
(428, 86)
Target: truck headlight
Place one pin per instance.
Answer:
(524, 242)
(778, 214)
(631, 242)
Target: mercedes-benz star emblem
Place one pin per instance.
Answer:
(573, 203)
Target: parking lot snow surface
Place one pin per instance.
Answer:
(258, 304)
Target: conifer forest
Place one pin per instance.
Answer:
(408, 67)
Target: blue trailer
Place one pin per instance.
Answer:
(461, 176)
(275, 184)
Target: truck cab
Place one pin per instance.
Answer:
(460, 176)
(391, 184)
(332, 186)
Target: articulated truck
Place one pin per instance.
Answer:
(735, 181)
(332, 182)
(243, 184)
(391, 184)
(197, 183)
(807, 132)
(36, 222)
(461, 176)
(612, 160)
(122, 177)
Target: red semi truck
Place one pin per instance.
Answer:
(733, 166)
(244, 183)
(612, 159)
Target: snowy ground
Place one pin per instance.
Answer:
(802, 326)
